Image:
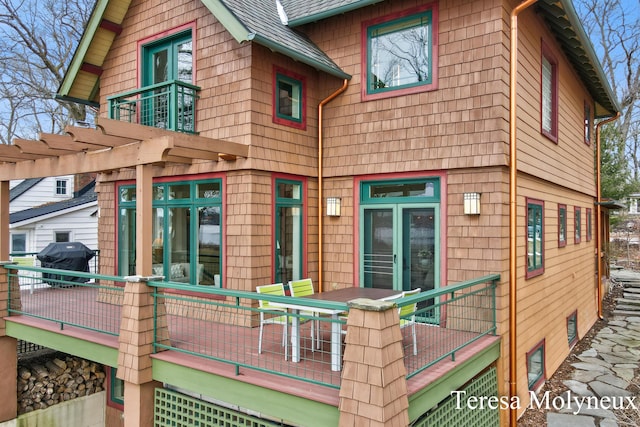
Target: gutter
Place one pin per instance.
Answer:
(513, 78)
(320, 180)
(599, 213)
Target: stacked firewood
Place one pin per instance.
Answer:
(47, 381)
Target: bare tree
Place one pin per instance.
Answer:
(614, 27)
(37, 42)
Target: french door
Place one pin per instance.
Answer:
(400, 245)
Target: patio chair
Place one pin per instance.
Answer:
(26, 277)
(304, 288)
(408, 317)
(269, 315)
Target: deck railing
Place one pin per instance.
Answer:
(222, 325)
(168, 105)
(68, 298)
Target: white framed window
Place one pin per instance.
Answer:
(61, 236)
(62, 187)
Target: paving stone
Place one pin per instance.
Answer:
(584, 376)
(608, 422)
(624, 373)
(620, 323)
(578, 387)
(589, 353)
(568, 420)
(604, 389)
(597, 361)
(613, 359)
(633, 319)
(591, 367)
(613, 380)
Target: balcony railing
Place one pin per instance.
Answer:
(169, 105)
(222, 325)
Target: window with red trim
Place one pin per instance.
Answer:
(535, 237)
(289, 101)
(536, 366)
(578, 224)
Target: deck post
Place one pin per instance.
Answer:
(8, 345)
(374, 385)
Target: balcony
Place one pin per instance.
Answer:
(216, 330)
(169, 105)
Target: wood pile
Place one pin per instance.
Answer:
(48, 381)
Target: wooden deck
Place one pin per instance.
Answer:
(230, 350)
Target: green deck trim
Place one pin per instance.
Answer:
(70, 345)
(273, 404)
(425, 399)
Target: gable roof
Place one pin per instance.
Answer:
(258, 21)
(23, 187)
(87, 196)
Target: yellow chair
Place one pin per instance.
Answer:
(304, 288)
(269, 315)
(408, 317)
(26, 277)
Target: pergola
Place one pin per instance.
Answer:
(112, 145)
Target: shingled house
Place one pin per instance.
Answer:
(362, 144)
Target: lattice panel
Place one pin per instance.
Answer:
(178, 410)
(448, 414)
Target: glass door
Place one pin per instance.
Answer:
(400, 249)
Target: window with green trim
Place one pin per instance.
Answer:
(289, 230)
(562, 225)
(400, 52)
(402, 191)
(116, 389)
(578, 224)
(572, 328)
(289, 99)
(536, 366)
(535, 237)
(187, 231)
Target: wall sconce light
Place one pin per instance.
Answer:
(472, 203)
(333, 206)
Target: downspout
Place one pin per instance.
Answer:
(513, 77)
(598, 213)
(320, 183)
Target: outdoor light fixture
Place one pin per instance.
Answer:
(333, 206)
(472, 203)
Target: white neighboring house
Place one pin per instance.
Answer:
(48, 210)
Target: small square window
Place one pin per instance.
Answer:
(572, 328)
(62, 236)
(18, 242)
(289, 99)
(578, 225)
(535, 366)
(61, 187)
(562, 226)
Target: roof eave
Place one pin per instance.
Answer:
(331, 12)
(270, 44)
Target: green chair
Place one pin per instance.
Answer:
(408, 317)
(304, 288)
(270, 315)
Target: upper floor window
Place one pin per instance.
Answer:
(589, 228)
(289, 99)
(61, 187)
(587, 123)
(535, 235)
(562, 225)
(401, 53)
(578, 225)
(549, 95)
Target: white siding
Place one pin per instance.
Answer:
(41, 193)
